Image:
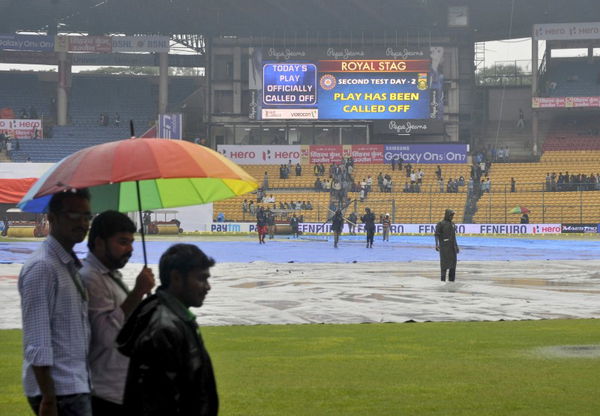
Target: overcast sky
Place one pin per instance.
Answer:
(507, 50)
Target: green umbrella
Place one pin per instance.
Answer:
(519, 209)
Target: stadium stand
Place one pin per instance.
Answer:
(572, 77)
(545, 207)
(56, 148)
(133, 97)
(23, 90)
(424, 207)
(532, 176)
(307, 180)
(573, 134)
(532, 191)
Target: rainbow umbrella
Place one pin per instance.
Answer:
(142, 174)
(519, 209)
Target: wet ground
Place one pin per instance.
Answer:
(352, 248)
(289, 281)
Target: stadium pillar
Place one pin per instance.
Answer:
(163, 82)
(64, 81)
(237, 80)
(534, 93)
(534, 132)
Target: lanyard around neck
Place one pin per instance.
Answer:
(119, 282)
(76, 278)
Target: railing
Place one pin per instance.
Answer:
(545, 187)
(427, 210)
(505, 73)
(548, 209)
(430, 208)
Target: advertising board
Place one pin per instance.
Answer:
(507, 229)
(409, 127)
(566, 31)
(426, 153)
(325, 228)
(19, 42)
(140, 44)
(565, 102)
(361, 153)
(262, 155)
(580, 228)
(21, 128)
(97, 44)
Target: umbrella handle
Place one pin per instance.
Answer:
(137, 187)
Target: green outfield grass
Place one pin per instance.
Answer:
(471, 368)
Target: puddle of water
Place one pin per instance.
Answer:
(559, 286)
(280, 305)
(258, 283)
(569, 351)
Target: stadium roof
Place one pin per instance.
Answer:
(489, 19)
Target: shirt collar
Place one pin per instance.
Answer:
(93, 261)
(176, 305)
(64, 256)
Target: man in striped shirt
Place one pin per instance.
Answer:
(56, 331)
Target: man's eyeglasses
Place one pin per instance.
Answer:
(77, 216)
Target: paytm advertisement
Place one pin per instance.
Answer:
(347, 84)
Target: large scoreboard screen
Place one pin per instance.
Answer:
(351, 89)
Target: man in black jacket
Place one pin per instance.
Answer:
(170, 371)
(445, 243)
(295, 224)
(369, 220)
(337, 225)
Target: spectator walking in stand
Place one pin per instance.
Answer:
(521, 121)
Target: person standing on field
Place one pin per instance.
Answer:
(386, 223)
(337, 225)
(445, 243)
(369, 220)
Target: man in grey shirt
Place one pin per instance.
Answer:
(110, 303)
